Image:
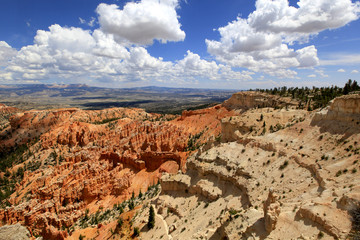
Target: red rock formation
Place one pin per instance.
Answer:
(85, 162)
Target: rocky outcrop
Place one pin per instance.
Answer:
(348, 104)
(207, 189)
(14, 232)
(253, 122)
(345, 109)
(248, 100)
(271, 211)
(335, 221)
(350, 202)
(314, 169)
(178, 182)
(35, 123)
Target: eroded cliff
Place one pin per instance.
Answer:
(95, 159)
(298, 181)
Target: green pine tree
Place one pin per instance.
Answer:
(151, 222)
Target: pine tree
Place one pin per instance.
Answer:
(151, 222)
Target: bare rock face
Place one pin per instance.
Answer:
(248, 100)
(179, 182)
(14, 232)
(335, 221)
(271, 211)
(344, 109)
(348, 104)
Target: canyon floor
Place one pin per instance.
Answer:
(253, 167)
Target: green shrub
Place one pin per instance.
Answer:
(136, 232)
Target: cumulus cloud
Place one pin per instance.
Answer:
(74, 53)
(312, 76)
(262, 41)
(341, 70)
(238, 36)
(142, 22)
(6, 53)
(354, 71)
(310, 17)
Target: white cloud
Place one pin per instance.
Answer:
(321, 73)
(74, 53)
(113, 52)
(192, 64)
(62, 38)
(82, 21)
(341, 59)
(142, 22)
(106, 46)
(354, 71)
(6, 53)
(92, 22)
(312, 76)
(307, 56)
(238, 36)
(341, 70)
(310, 17)
(261, 41)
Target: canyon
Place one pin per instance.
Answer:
(253, 167)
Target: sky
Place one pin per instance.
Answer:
(223, 44)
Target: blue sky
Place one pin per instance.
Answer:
(228, 44)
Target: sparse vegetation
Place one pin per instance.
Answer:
(101, 216)
(105, 121)
(284, 165)
(136, 232)
(193, 143)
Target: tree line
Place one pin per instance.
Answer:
(314, 97)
